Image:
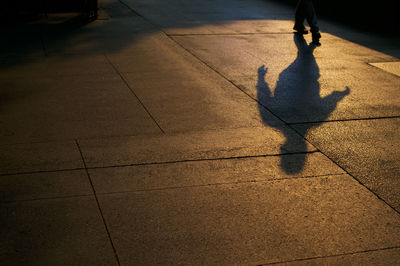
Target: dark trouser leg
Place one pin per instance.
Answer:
(310, 15)
(300, 13)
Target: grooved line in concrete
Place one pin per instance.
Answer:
(203, 159)
(330, 256)
(155, 163)
(383, 66)
(42, 171)
(345, 120)
(133, 92)
(47, 198)
(98, 204)
(174, 187)
(226, 34)
(220, 184)
(134, 11)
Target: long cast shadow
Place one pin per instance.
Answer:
(296, 99)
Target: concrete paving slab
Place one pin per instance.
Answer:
(160, 56)
(251, 223)
(35, 157)
(198, 145)
(44, 185)
(192, 103)
(183, 94)
(66, 108)
(203, 173)
(298, 82)
(391, 67)
(366, 149)
(378, 257)
(54, 232)
(55, 66)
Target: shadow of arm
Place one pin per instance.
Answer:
(263, 89)
(335, 97)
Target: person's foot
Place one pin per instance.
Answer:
(300, 29)
(315, 37)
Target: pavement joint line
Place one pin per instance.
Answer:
(85, 138)
(98, 204)
(133, 92)
(42, 171)
(226, 34)
(344, 120)
(331, 256)
(46, 198)
(136, 13)
(38, 142)
(274, 179)
(140, 135)
(153, 163)
(395, 60)
(200, 160)
(60, 76)
(384, 70)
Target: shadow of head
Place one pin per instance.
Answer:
(302, 46)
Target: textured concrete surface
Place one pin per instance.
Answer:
(44, 185)
(379, 257)
(54, 232)
(197, 133)
(250, 223)
(369, 150)
(391, 67)
(35, 157)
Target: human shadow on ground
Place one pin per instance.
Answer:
(296, 99)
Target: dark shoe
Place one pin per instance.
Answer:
(300, 29)
(315, 37)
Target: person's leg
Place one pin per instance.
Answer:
(309, 11)
(312, 21)
(300, 17)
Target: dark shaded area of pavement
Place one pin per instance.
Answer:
(379, 18)
(17, 12)
(376, 17)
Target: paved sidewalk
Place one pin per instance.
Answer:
(197, 133)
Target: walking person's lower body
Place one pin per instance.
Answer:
(305, 11)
